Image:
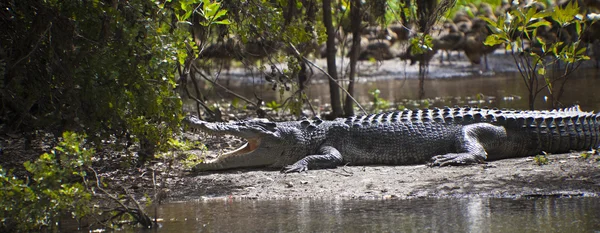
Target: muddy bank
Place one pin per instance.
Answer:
(565, 175)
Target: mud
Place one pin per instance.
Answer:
(564, 175)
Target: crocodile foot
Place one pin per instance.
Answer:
(455, 159)
(299, 166)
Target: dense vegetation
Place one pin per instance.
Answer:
(100, 68)
(114, 70)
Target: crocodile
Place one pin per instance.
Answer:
(437, 137)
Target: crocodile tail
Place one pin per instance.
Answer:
(567, 129)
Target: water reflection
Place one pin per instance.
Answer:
(419, 215)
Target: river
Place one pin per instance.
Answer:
(413, 215)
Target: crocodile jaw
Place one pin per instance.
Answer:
(251, 154)
(247, 148)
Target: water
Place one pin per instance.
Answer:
(417, 215)
(502, 90)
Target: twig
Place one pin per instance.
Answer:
(184, 77)
(195, 83)
(225, 88)
(329, 76)
(34, 47)
(155, 197)
(348, 173)
(138, 214)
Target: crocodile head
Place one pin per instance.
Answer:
(265, 143)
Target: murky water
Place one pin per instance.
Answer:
(502, 90)
(419, 215)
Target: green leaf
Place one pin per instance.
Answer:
(469, 12)
(518, 14)
(549, 83)
(509, 46)
(565, 15)
(235, 102)
(224, 22)
(581, 51)
(541, 71)
(220, 14)
(578, 28)
(539, 24)
(489, 21)
(211, 10)
(273, 105)
(185, 6)
(530, 13)
(492, 40)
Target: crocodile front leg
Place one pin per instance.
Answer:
(329, 157)
(472, 143)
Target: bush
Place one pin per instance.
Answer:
(105, 68)
(55, 187)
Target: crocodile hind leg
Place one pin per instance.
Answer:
(472, 144)
(329, 157)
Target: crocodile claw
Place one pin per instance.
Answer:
(300, 166)
(454, 159)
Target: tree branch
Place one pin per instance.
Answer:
(324, 72)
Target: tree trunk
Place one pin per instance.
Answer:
(302, 78)
(423, 65)
(310, 18)
(425, 12)
(355, 21)
(334, 91)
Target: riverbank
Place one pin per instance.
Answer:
(167, 178)
(564, 175)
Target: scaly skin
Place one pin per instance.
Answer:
(439, 137)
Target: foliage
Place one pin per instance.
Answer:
(55, 187)
(586, 155)
(210, 11)
(544, 31)
(421, 44)
(589, 154)
(104, 68)
(379, 104)
(541, 159)
(91, 66)
(180, 152)
(255, 31)
(273, 105)
(467, 5)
